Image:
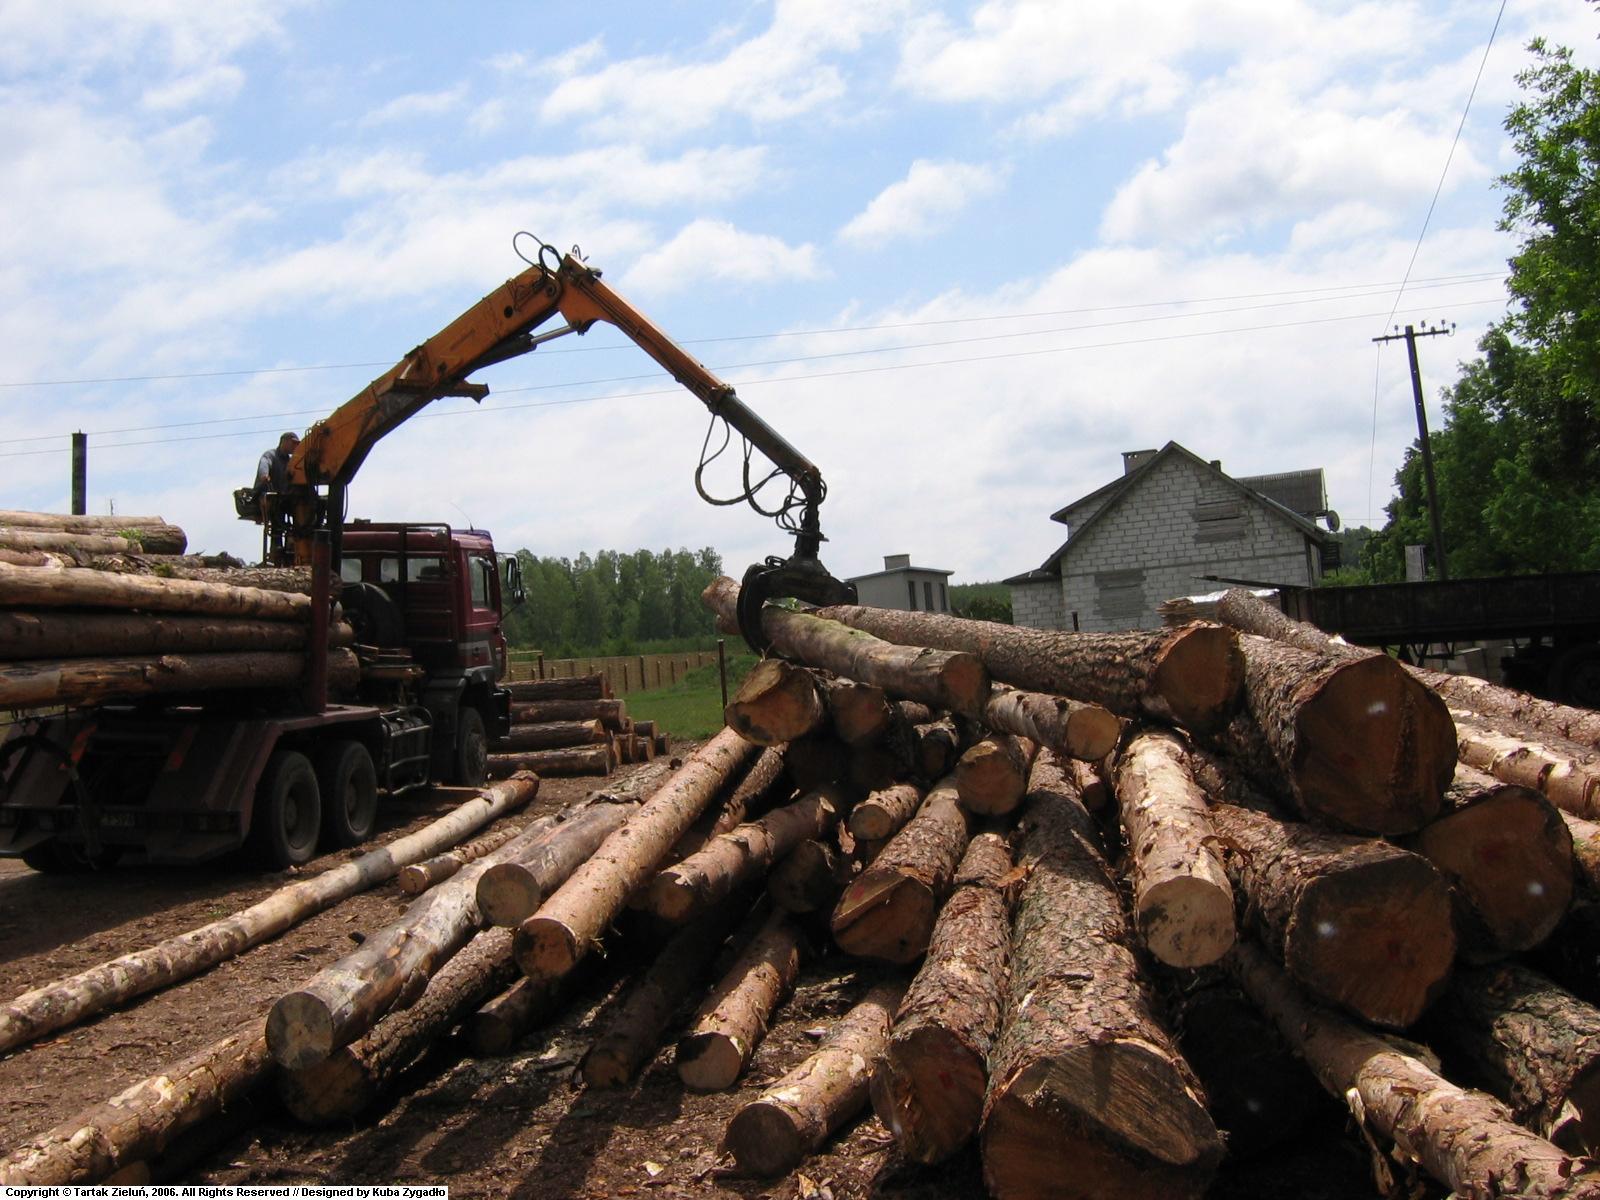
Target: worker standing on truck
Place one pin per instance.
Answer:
(272, 481)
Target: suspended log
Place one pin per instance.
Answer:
(941, 678)
(816, 760)
(1070, 727)
(992, 776)
(50, 682)
(552, 735)
(569, 923)
(572, 760)
(1084, 1082)
(1182, 902)
(1509, 858)
(1571, 781)
(773, 1133)
(149, 539)
(1358, 922)
(741, 857)
(883, 812)
(143, 1119)
(576, 687)
(66, 1001)
(31, 635)
(613, 714)
(419, 877)
(888, 911)
(929, 1084)
(1190, 676)
(775, 704)
(76, 522)
(24, 588)
(938, 744)
(733, 1019)
(348, 1082)
(498, 1026)
(860, 712)
(1466, 1140)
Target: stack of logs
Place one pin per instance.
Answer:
(103, 608)
(1101, 899)
(572, 726)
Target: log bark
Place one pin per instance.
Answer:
(576, 687)
(569, 924)
(1359, 923)
(552, 735)
(1191, 676)
(772, 1134)
(32, 558)
(33, 635)
(1466, 1140)
(66, 1001)
(1357, 742)
(733, 1019)
(1085, 1085)
(1585, 850)
(1093, 786)
(348, 1082)
(1509, 858)
(148, 539)
(992, 776)
(1570, 780)
(1535, 1046)
(882, 813)
(613, 714)
(573, 760)
(888, 911)
(76, 522)
(1182, 901)
(940, 678)
(776, 703)
(21, 587)
(142, 1120)
(742, 856)
(498, 1026)
(200, 568)
(419, 877)
(929, 1085)
(1070, 727)
(764, 785)
(861, 713)
(47, 683)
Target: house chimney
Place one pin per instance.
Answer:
(896, 562)
(1132, 460)
(1216, 464)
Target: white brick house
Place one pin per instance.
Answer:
(1155, 533)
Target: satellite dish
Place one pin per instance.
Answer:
(1333, 520)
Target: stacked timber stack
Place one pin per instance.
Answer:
(94, 609)
(571, 726)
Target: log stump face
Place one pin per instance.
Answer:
(1200, 674)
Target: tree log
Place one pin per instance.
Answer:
(613, 714)
(734, 1017)
(46, 683)
(419, 877)
(1093, 787)
(1072, 728)
(348, 1082)
(992, 776)
(776, 703)
(76, 522)
(31, 635)
(65, 1002)
(764, 785)
(888, 911)
(1467, 1140)
(21, 587)
(551, 735)
(773, 1133)
(1190, 676)
(1088, 1094)
(1509, 858)
(928, 1087)
(941, 678)
(882, 813)
(569, 923)
(1360, 923)
(572, 760)
(510, 891)
(149, 539)
(938, 745)
(1571, 781)
(1585, 850)
(740, 857)
(498, 1026)
(32, 558)
(861, 712)
(810, 877)
(576, 687)
(1181, 898)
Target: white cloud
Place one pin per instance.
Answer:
(706, 250)
(931, 194)
(415, 106)
(181, 35)
(220, 81)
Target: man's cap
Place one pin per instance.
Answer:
(289, 436)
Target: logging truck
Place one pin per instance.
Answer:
(190, 777)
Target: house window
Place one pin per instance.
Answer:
(911, 593)
(944, 599)
(927, 595)
(1220, 521)
(1119, 597)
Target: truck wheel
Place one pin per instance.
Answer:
(472, 748)
(349, 786)
(288, 811)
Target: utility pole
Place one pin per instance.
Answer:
(80, 473)
(1411, 335)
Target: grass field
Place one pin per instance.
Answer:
(692, 707)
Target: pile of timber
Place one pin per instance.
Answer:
(96, 609)
(572, 726)
(1106, 909)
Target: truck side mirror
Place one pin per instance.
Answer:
(511, 580)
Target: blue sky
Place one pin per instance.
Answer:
(962, 255)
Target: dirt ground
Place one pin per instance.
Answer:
(515, 1126)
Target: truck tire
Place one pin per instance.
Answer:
(349, 786)
(288, 811)
(471, 766)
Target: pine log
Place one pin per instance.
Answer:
(76, 522)
(572, 760)
(576, 687)
(47, 683)
(1086, 1088)
(1516, 1034)
(419, 877)
(1070, 727)
(941, 678)
(1182, 902)
(1585, 850)
(510, 891)
(32, 558)
(551, 735)
(1466, 1140)
(1358, 922)
(742, 856)
(776, 703)
(497, 1027)
(1093, 786)
(1509, 858)
(1190, 676)
(733, 1019)
(816, 760)
(151, 539)
(66, 1001)
(938, 744)
(32, 635)
(928, 1087)
(569, 923)
(992, 776)
(1357, 742)
(1570, 779)
(882, 813)
(613, 714)
(764, 785)
(888, 911)
(143, 1119)
(861, 713)
(348, 1082)
(772, 1134)
(21, 587)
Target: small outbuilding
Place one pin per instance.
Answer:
(903, 586)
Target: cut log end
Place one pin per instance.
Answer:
(508, 894)
(709, 1062)
(1199, 677)
(767, 1138)
(1092, 732)
(1187, 921)
(928, 1092)
(888, 918)
(300, 1031)
(547, 949)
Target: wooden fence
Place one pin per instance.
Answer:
(625, 673)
